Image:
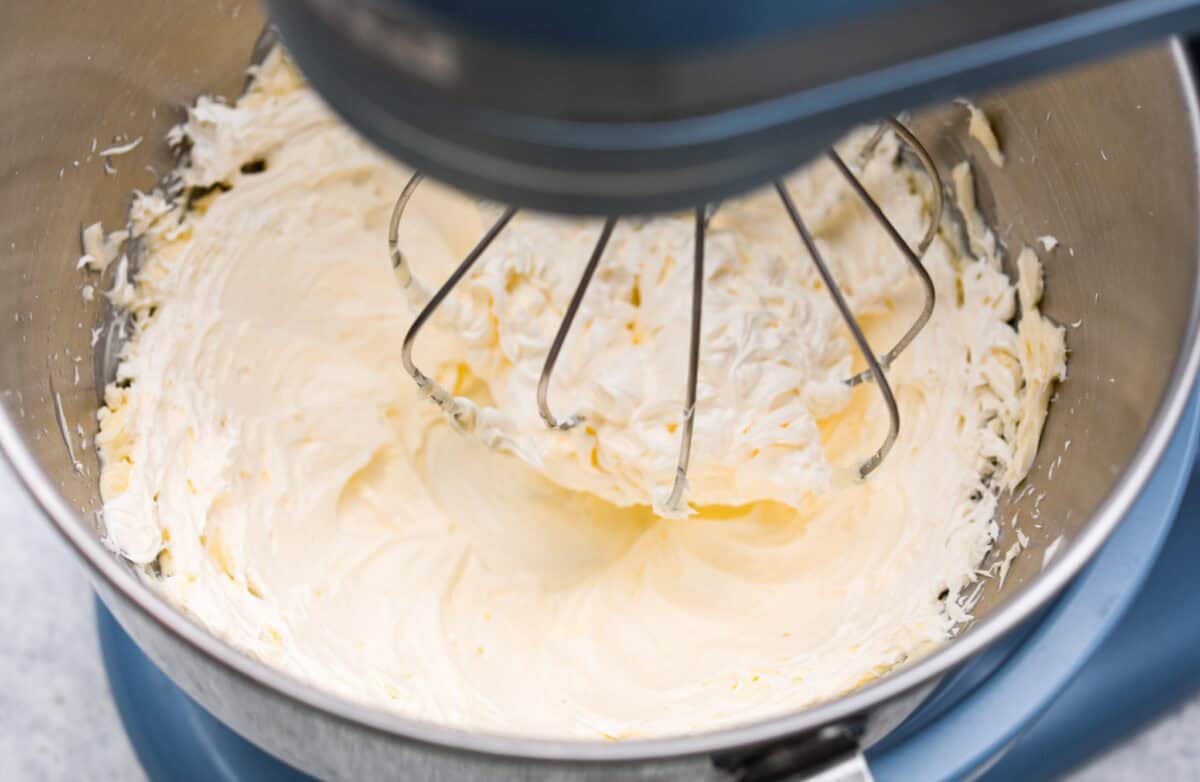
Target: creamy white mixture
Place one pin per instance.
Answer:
(265, 448)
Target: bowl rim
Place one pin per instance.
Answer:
(102, 564)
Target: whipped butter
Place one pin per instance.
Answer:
(265, 453)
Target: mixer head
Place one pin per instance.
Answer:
(632, 107)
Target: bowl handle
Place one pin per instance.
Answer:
(832, 754)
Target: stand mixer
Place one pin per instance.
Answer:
(670, 130)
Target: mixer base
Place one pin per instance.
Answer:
(1101, 662)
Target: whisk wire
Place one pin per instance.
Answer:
(689, 406)
(913, 257)
(543, 387)
(864, 347)
(459, 413)
(914, 262)
(418, 296)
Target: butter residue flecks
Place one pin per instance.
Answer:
(100, 249)
(265, 449)
(979, 127)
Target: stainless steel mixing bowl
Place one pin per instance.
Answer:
(1103, 158)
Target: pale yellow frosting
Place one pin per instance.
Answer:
(264, 446)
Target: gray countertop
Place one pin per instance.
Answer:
(57, 717)
(56, 714)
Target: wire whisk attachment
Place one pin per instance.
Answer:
(462, 411)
